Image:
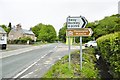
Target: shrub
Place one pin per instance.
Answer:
(109, 46)
(22, 40)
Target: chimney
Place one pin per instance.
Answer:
(30, 29)
(18, 27)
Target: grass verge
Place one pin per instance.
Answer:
(60, 69)
(39, 43)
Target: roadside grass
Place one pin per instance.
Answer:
(77, 44)
(60, 68)
(39, 43)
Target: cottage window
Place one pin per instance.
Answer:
(2, 36)
(12, 36)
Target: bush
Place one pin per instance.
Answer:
(109, 46)
(22, 40)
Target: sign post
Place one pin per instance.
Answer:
(68, 46)
(76, 27)
(69, 50)
(80, 52)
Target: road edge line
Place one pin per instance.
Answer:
(28, 67)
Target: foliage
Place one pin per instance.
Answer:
(44, 32)
(109, 46)
(36, 29)
(62, 33)
(84, 39)
(4, 27)
(105, 26)
(22, 40)
(7, 28)
(25, 38)
(109, 24)
(61, 70)
(38, 43)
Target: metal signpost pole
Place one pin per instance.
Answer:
(68, 43)
(69, 50)
(80, 52)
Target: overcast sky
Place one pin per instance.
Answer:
(31, 12)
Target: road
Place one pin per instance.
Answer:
(33, 63)
(14, 47)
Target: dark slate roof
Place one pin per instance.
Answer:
(2, 30)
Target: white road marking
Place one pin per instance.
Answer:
(25, 76)
(30, 73)
(28, 67)
(43, 56)
(36, 70)
(37, 64)
(47, 61)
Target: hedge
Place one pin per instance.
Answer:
(109, 46)
(22, 40)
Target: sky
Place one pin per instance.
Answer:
(32, 12)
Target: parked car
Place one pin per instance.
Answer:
(91, 44)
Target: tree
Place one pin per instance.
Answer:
(4, 27)
(109, 24)
(36, 29)
(45, 32)
(43, 35)
(62, 33)
(9, 27)
(52, 33)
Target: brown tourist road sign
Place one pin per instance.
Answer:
(79, 32)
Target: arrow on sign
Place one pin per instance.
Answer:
(84, 21)
(79, 32)
(76, 22)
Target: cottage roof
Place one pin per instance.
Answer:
(27, 31)
(24, 31)
(2, 30)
